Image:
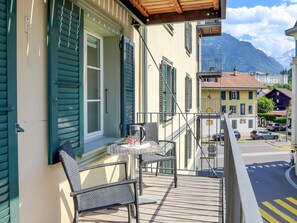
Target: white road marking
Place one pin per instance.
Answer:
(289, 178)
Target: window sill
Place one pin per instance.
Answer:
(96, 149)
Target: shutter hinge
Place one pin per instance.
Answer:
(18, 128)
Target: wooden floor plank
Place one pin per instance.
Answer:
(196, 199)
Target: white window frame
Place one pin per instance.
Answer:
(93, 135)
(233, 95)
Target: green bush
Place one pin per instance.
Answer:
(280, 120)
(268, 117)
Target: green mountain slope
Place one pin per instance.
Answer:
(233, 52)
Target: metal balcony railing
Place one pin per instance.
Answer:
(240, 201)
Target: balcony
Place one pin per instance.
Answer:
(229, 198)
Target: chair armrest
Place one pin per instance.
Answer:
(172, 142)
(75, 193)
(105, 165)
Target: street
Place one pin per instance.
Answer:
(273, 180)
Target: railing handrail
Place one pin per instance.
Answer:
(248, 203)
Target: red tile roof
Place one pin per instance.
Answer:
(229, 80)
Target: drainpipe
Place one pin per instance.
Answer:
(145, 72)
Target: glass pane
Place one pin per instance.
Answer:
(93, 84)
(94, 117)
(93, 50)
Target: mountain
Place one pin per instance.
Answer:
(230, 52)
(286, 58)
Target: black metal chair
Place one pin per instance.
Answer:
(152, 134)
(98, 197)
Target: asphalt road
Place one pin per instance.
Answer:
(273, 181)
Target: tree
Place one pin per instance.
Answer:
(265, 105)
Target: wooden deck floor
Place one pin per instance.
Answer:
(196, 199)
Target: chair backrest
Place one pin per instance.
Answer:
(151, 131)
(70, 166)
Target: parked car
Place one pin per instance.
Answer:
(263, 134)
(274, 126)
(219, 136)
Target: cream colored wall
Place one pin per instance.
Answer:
(161, 43)
(43, 189)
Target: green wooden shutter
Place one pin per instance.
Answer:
(230, 95)
(127, 85)
(223, 95)
(174, 90)
(9, 202)
(163, 91)
(238, 95)
(65, 64)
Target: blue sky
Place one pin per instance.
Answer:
(263, 23)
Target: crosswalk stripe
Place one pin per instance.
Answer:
(292, 200)
(268, 217)
(286, 206)
(278, 212)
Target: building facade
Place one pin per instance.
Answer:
(234, 93)
(270, 79)
(79, 71)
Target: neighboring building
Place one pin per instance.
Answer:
(281, 97)
(270, 79)
(232, 92)
(263, 92)
(78, 71)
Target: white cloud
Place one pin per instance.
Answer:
(263, 26)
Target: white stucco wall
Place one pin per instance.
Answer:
(43, 189)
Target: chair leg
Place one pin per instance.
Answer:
(129, 213)
(175, 173)
(137, 212)
(157, 169)
(75, 219)
(140, 174)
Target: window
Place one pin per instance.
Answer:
(277, 93)
(250, 109)
(188, 93)
(222, 124)
(233, 109)
(223, 95)
(223, 109)
(188, 37)
(242, 109)
(167, 86)
(233, 95)
(234, 124)
(277, 100)
(93, 85)
(250, 124)
(250, 95)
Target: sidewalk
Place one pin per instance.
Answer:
(280, 144)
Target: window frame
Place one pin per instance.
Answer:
(233, 108)
(251, 95)
(250, 109)
(93, 135)
(242, 109)
(170, 107)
